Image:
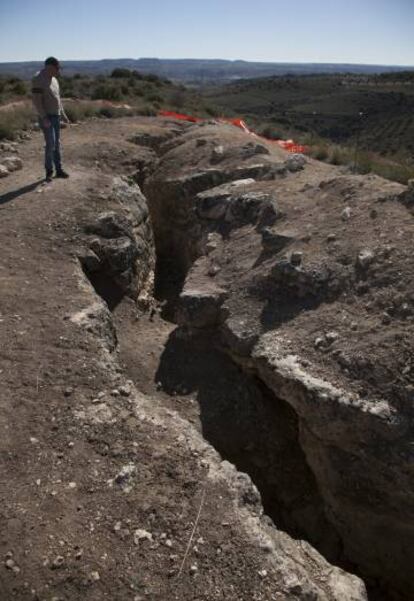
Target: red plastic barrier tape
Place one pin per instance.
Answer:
(238, 123)
(179, 116)
(288, 145)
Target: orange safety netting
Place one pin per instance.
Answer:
(288, 145)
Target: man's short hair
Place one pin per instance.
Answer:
(52, 61)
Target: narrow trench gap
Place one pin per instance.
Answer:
(168, 283)
(105, 286)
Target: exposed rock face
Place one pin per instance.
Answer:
(173, 186)
(119, 258)
(353, 392)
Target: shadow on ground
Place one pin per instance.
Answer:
(253, 429)
(9, 196)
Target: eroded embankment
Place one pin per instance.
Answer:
(330, 452)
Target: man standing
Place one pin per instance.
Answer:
(46, 99)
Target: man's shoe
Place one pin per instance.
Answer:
(49, 175)
(62, 174)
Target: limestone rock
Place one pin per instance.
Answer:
(110, 225)
(239, 335)
(251, 149)
(365, 258)
(275, 241)
(217, 154)
(201, 308)
(12, 163)
(296, 162)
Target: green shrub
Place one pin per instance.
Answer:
(146, 111)
(154, 98)
(111, 112)
(77, 112)
(14, 121)
(19, 88)
(120, 72)
(363, 164)
(177, 99)
(152, 78)
(212, 112)
(320, 153)
(338, 156)
(270, 132)
(397, 173)
(106, 92)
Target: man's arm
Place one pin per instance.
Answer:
(37, 99)
(61, 109)
(63, 114)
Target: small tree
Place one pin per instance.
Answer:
(120, 72)
(19, 88)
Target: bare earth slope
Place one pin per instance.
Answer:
(110, 488)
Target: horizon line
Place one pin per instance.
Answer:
(269, 62)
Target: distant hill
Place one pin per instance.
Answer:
(376, 109)
(197, 71)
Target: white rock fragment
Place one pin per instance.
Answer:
(141, 535)
(9, 563)
(123, 477)
(365, 258)
(331, 336)
(57, 562)
(125, 390)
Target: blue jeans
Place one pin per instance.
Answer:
(52, 139)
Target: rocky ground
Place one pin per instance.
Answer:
(279, 345)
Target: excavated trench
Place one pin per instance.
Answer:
(250, 426)
(244, 421)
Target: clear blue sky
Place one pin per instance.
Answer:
(354, 31)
